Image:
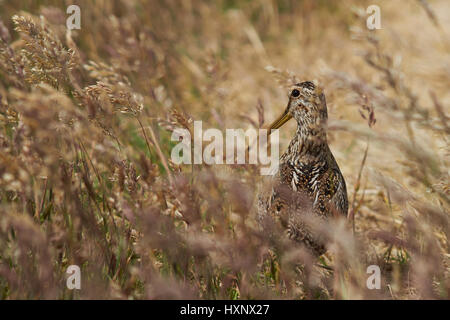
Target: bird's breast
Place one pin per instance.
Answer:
(302, 176)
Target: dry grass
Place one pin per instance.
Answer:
(85, 175)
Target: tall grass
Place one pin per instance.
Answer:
(85, 171)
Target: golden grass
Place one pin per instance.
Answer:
(85, 170)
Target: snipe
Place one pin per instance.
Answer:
(309, 181)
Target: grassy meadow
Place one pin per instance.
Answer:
(86, 176)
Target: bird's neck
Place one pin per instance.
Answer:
(309, 145)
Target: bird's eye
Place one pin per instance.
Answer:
(295, 93)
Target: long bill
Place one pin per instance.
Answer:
(285, 117)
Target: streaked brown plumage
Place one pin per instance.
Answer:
(309, 182)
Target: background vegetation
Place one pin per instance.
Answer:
(85, 124)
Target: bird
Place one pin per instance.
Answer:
(308, 183)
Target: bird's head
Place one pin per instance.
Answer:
(306, 105)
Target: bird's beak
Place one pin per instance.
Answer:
(285, 117)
